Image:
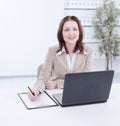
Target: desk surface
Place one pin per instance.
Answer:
(14, 113)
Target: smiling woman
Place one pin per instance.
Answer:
(70, 55)
(24, 37)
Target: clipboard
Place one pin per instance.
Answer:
(44, 101)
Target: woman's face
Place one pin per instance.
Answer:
(70, 32)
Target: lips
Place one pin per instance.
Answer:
(71, 38)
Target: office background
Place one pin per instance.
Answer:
(29, 27)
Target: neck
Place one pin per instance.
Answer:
(70, 48)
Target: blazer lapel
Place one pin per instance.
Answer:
(63, 61)
(79, 61)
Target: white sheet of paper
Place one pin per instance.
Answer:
(43, 101)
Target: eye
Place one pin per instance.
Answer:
(75, 29)
(66, 29)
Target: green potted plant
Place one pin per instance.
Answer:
(105, 24)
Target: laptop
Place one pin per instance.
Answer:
(85, 88)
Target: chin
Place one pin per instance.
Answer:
(72, 42)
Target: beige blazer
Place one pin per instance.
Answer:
(55, 67)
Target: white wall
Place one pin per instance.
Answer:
(27, 29)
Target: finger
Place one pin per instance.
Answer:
(47, 84)
(36, 93)
(48, 87)
(32, 97)
(30, 94)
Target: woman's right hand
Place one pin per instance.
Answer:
(33, 97)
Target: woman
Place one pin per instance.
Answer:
(70, 56)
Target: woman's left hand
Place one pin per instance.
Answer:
(50, 84)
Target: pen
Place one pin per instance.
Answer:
(31, 90)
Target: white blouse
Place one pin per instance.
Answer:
(71, 63)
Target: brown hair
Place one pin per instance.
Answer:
(79, 44)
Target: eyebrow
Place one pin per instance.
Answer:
(72, 27)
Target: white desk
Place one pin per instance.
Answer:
(14, 113)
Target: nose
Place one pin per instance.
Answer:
(71, 32)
